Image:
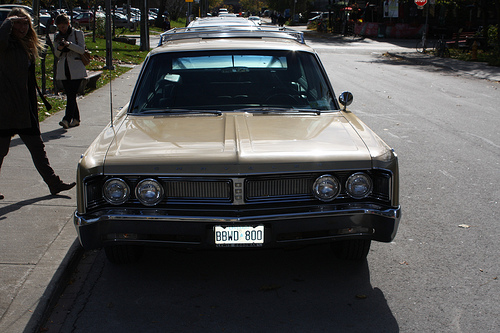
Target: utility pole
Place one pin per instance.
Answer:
(36, 12)
(144, 26)
(109, 44)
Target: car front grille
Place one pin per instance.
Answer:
(198, 189)
(266, 188)
(226, 191)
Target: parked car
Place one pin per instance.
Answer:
(318, 18)
(121, 21)
(43, 18)
(257, 20)
(11, 6)
(83, 19)
(220, 21)
(135, 15)
(235, 139)
(314, 14)
(47, 21)
(227, 15)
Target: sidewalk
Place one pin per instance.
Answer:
(38, 241)
(476, 69)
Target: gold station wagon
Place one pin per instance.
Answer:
(233, 138)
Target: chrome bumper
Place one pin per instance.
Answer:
(157, 227)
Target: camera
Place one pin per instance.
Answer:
(62, 43)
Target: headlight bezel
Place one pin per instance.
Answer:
(355, 177)
(159, 192)
(106, 189)
(322, 180)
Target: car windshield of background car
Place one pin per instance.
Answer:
(232, 80)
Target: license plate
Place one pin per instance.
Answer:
(239, 236)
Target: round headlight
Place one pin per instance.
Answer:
(326, 188)
(149, 192)
(116, 191)
(359, 185)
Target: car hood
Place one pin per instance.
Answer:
(236, 143)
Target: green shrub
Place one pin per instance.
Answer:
(494, 44)
(100, 29)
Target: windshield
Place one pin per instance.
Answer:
(232, 80)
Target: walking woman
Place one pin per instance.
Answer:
(70, 68)
(19, 46)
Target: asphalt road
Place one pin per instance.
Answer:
(439, 275)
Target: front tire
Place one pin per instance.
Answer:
(354, 249)
(123, 254)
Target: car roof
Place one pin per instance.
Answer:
(215, 37)
(12, 6)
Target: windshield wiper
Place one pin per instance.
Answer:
(181, 111)
(283, 110)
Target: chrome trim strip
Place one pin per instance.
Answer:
(392, 213)
(231, 32)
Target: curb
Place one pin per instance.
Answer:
(56, 287)
(420, 59)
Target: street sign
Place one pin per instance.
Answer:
(420, 3)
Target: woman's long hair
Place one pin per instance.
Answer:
(31, 43)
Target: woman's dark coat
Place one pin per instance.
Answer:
(18, 102)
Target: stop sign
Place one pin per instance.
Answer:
(420, 2)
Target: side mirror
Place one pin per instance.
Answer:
(346, 98)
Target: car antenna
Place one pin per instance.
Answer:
(111, 102)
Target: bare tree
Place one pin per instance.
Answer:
(175, 8)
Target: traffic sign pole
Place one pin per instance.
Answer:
(421, 4)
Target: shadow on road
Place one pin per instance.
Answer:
(304, 290)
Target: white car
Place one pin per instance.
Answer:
(219, 21)
(255, 19)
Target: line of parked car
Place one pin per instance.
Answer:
(119, 16)
(82, 18)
